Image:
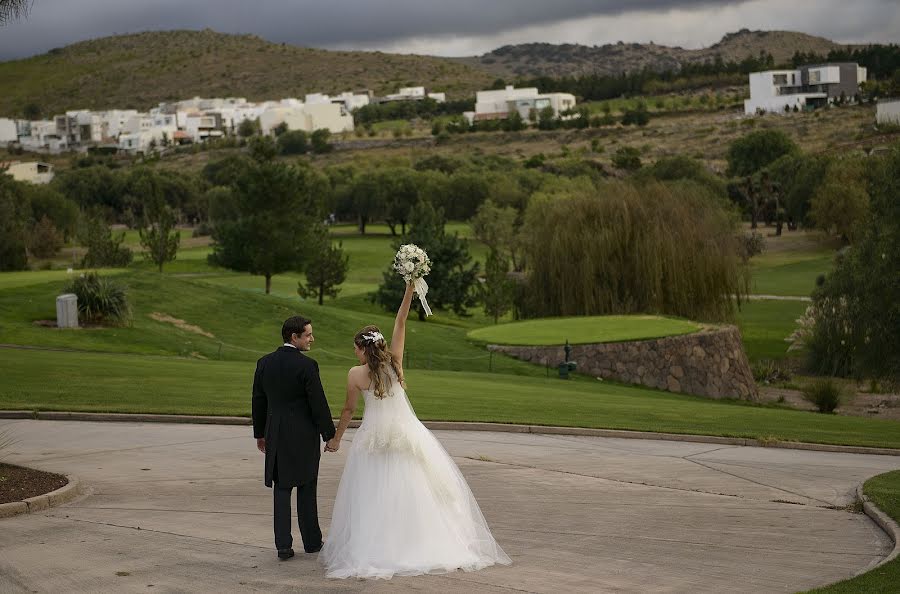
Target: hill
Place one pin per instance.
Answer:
(545, 59)
(140, 70)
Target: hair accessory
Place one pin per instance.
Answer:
(373, 337)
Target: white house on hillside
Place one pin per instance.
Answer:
(42, 136)
(9, 131)
(815, 85)
(33, 172)
(350, 101)
(307, 117)
(499, 104)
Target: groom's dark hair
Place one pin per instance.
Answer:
(294, 325)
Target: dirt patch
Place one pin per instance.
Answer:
(858, 404)
(18, 483)
(181, 324)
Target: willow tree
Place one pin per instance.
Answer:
(13, 9)
(622, 248)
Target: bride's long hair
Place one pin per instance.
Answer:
(378, 359)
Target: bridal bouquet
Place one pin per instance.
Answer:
(412, 263)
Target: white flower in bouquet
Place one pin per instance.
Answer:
(412, 263)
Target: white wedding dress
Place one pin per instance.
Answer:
(402, 506)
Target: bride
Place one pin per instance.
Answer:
(402, 507)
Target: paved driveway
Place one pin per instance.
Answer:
(182, 508)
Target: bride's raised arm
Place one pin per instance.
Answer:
(398, 338)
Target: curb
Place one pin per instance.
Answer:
(885, 522)
(64, 494)
(464, 426)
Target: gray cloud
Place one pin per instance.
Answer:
(444, 27)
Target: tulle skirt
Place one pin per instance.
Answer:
(404, 508)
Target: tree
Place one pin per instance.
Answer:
(270, 213)
(293, 142)
(47, 202)
(31, 111)
(497, 290)
(13, 221)
(103, 247)
(327, 269)
(453, 275)
(45, 240)
(319, 141)
(248, 128)
(262, 148)
(841, 203)
(495, 226)
(158, 235)
(858, 305)
(400, 192)
(13, 9)
(749, 154)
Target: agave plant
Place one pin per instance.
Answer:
(100, 299)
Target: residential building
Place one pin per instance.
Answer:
(307, 117)
(814, 85)
(9, 131)
(501, 103)
(31, 172)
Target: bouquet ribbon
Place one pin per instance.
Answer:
(421, 288)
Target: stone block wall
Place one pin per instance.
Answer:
(709, 363)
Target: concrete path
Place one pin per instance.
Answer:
(182, 508)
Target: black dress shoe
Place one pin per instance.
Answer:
(315, 550)
(285, 553)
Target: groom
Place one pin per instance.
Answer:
(290, 412)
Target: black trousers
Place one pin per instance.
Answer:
(307, 516)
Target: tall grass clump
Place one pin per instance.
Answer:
(100, 300)
(622, 248)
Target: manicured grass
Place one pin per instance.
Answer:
(884, 491)
(789, 273)
(583, 330)
(765, 324)
(244, 324)
(13, 280)
(42, 380)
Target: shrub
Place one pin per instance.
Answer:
(768, 371)
(100, 299)
(825, 394)
(628, 158)
(45, 241)
(293, 142)
(104, 248)
(751, 244)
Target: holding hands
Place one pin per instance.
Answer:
(333, 445)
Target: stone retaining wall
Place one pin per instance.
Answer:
(709, 363)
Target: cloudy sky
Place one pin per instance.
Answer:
(451, 27)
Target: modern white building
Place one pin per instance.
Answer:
(777, 91)
(9, 131)
(31, 172)
(413, 94)
(349, 100)
(888, 112)
(501, 103)
(42, 136)
(307, 117)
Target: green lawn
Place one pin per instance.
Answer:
(42, 380)
(884, 491)
(789, 273)
(583, 330)
(765, 324)
(14, 280)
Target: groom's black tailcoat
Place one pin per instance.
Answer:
(291, 412)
